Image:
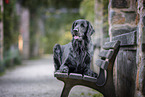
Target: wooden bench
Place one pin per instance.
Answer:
(104, 82)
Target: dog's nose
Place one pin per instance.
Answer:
(75, 30)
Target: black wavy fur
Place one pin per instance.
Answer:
(76, 56)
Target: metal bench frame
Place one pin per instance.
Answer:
(104, 82)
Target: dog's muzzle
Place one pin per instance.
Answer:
(76, 34)
(76, 37)
(79, 38)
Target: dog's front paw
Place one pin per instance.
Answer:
(64, 69)
(91, 73)
(88, 73)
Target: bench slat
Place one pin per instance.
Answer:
(102, 64)
(59, 74)
(89, 78)
(111, 45)
(106, 53)
(75, 76)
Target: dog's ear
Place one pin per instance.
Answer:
(73, 25)
(90, 29)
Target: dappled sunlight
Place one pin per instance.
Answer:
(20, 43)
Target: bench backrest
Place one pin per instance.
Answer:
(108, 54)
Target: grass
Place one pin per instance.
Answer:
(97, 95)
(91, 95)
(2, 73)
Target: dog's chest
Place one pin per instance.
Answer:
(79, 58)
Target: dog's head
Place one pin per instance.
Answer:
(81, 29)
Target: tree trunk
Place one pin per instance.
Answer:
(1, 34)
(24, 31)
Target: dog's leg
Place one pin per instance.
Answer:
(64, 69)
(57, 56)
(87, 63)
(69, 64)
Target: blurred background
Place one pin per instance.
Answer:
(30, 28)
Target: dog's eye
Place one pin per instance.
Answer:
(76, 24)
(82, 25)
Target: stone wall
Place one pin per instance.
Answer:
(127, 24)
(140, 78)
(98, 35)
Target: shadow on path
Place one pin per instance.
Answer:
(35, 79)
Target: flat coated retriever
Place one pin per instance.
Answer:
(76, 56)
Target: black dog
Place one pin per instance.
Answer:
(76, 56)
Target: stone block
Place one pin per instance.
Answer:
(122, 30)
(127, 39)
(122, 17)
(120, 3)
(143, 35)
(117, 17)
(130, 17)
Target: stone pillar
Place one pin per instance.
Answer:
(42, 33)
(98, 35)
(37, 48)
(36, 42)
(1, 32)
(140, 78)
(123, 20)
(24, 30)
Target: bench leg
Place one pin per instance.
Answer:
(66, 89)
(102, 78)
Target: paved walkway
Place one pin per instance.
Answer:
(35, 79)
